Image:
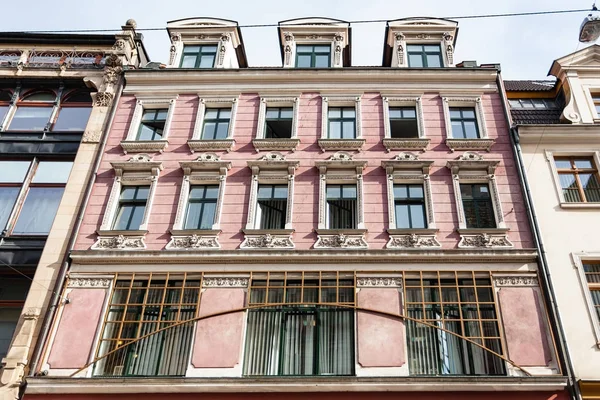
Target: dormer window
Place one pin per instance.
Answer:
(313, 56)
(424, 56)
(202, 56)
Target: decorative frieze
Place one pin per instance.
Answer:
(275, 144)
(470, 144)
(119, 242)
(413, 241)
(103, 99)
(144, 145)
(211, 145)
(484, 240)
(341, 241)
(406, 144)
(267, 241)
(193, 242)
(91, 282)
(503, 281)
(388, 282)
(341, 144)
(225, 282)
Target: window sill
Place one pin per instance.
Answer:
(470, 144)
(267, 239)
(203, 145)
(341, 144)
(194, 239)
(276, 144)
(404, 239)
(580, 205)
(341, 238)
(120, 240)
(492, 238)
(140, 146)
(406, 144)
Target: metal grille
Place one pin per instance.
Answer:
(141, 304)
(462, 303)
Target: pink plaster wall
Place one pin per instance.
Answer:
(218, 339)
(75, 336)
(305, 210)
(380, 338)
(524, 326)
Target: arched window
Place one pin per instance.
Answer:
(74, 112)
(5, 97)
(33, 112)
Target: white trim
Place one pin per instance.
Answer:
(472, 101)
(214, 102)
(340, 101)
(143, 104)
(578, 259)
(415, 102)
(266, 102)
(550, 154)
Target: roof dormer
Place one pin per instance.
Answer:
(420, 43)
(206, 43)
(315, 43)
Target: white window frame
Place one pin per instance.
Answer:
(444, 40)
(223, 41)
(550, 155)
(327, 143)
(578, 260)
(262, 143)
(204, 103)
(421, 141)
(140, 170)
(131, 144)
(476, 102)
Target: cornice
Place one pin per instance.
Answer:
(314, 256)
(560, 134)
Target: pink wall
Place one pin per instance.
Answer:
(306, 190)
(75, 335)
(218, 339)
(524, 326)
(380, 338)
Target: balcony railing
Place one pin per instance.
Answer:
(51, 59)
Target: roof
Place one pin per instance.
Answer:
(529, 86)
(536, 117)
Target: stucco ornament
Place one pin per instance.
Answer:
(267, 241)
(341, 156)
(341, 240)
(119, 45)
(224, 282)
(448, 38)
(412, 241)
(470, 156)
(208, 157)
(289, 40)
(484, 240)
(91, 282)
(400, 48)
(273, 156)
(140, 158)
(516, 281)
(119, 242)
(395, 282)
(193, 242)
(103, 99)
(406, 156)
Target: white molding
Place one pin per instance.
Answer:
(515, 280)
(578, 259)
(225, 282)
(550, 154)
(488, 239)
(415, 102)
(194, 241)
(267, 241)
(483, 142)
(214, 102)
(340, 101)
(119, 242)
(265, 102)
(94, 282)
(415, 241)
(379, 281)
(148, 104)
(341, 241)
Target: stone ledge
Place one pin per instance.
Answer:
(144, 146)
(470, 144)
(406, 144)
(290, 144)
(341, 144)
(207, 145)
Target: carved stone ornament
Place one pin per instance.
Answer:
(341, 241)
(412, 241)
(175, 37)
(119, 242)
(273, 156)
(91, 282)
(224, 282)
(484, 240)
(288, 36)
(140, 158)
(470, 156)
(470, 144)
(193, 242)
(145, 145)
(119, 45)
(91, 136)
(32, 313)
(341, 156)
(406, 144)
(341, 144)
(208, 157)
(406, 156)
(103, 99)
(388, 282)
(113, 61)
(203, 145)
(276, 144)
(501, 281)
(267, 241)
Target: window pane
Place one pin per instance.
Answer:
(349, 191)
(209, 130)
(321, 61)
(349, 112)
(211, 113)
(72, 119)
(303, 61)
(52, 172)
(569, 186)
(224, 113)
(457, 130)
(539, 103)
(414, 48)
(416, 192)
(471, 130)
(415, 60)
(8, 196)
(334, 192)
(265, 192)
(281, 192)
(455, 114)
(433, 61)
(30, 118)
(212, 192)
(401, 191)
(272, 113)
(208, 216)
(591, 187)
(335, 130)
(395, 113)
(409, 113)
(402, 218)
(287, 113)
(130, 217)
(149, 133)
(335, 112)
(13, 171)
(207, 61)
(38, 211)
(468, 113)
(417, 216)
(128, 193)
(562, 164)
(222, 130)
(348, 130)
(189, 61)
(3, 111)
(142, 192)
(583, 164)
(432, 48)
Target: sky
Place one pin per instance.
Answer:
(524, 46)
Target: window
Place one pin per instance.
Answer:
(341, 206)
(132, 206)
(278, 123)
(74, 112)
(152, 125)
(403, 122)
(37, 203)
(578, 177)
(271, 206)
(13, 292)
(203, 56)
(309, 335)
(140, 307)
(477, 205)
(596, 100)
(342, 123)
(538, 104)
(5, 97)
(409, 205)
(202, 204)
(33, 112)
(216, 123)
(313, 56)
(427, 56)
(592, 275)
(462, 303)
(464, 123)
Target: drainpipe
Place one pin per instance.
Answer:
(546, 276)
(60, 280)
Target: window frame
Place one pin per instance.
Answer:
(579, 259)
(463, 120)
(291, 143)
(475, 201)
(409, 200)
(20, 100)
(131, 144)
(218, 120)
(134, 202)
(313, 54)
(197, 143)
(417, 143)
(65, 104)
(424, 54)
(203, 200)
(551, 155)
(574, 170)
(328, 205)
(483, 142)
(327, 143)
(199, 55)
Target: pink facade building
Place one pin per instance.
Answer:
(311, 228)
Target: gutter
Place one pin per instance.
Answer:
(60, 279)
(546, 276)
